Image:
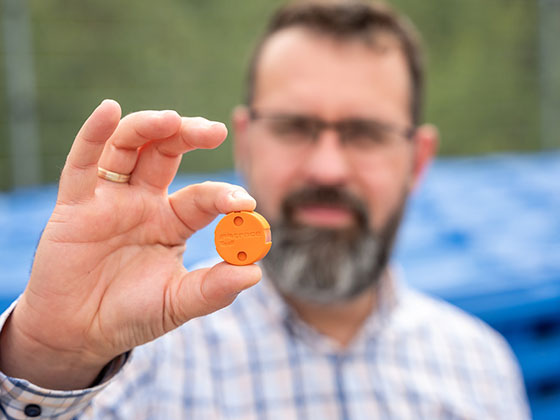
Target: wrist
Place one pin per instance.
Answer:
(23, 357)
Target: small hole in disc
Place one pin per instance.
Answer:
(241, 256)
(238, 221)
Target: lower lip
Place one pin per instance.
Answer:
(330, 217)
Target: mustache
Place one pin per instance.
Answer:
(329, 196)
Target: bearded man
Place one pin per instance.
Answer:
(331, 144)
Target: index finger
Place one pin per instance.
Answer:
(159, 160)
(148, 145)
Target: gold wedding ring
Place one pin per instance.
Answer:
(112, 176)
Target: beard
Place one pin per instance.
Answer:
(329, 265)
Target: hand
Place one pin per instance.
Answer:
(108, 272)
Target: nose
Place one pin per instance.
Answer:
(326, 162)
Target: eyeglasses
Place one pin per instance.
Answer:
(356, 133)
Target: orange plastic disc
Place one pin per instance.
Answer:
(242, 237)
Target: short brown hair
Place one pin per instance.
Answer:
(348, 20)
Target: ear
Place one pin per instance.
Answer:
(426, 141)
(241, 119)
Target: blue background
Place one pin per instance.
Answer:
(482, 233)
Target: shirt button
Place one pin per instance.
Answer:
(32, 410)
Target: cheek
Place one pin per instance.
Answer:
(270, 176)
(383, 185)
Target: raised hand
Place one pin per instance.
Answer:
(108, 272)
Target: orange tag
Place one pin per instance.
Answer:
(242, 237)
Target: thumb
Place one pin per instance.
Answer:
(206, 290)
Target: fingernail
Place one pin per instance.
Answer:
(166, 113)
(241, 195)
(105, 102)
(210, 123)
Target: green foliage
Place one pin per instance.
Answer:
(191, 55)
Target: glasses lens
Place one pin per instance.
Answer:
(364, 134)
(292, 129)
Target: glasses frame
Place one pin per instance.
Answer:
(321, 125)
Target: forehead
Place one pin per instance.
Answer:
(299, 70)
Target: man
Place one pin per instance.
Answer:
(330, 146)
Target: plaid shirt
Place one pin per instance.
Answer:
(415, 358)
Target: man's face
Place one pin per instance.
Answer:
(303, 78)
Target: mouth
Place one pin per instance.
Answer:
(324, 216)
(325, 207)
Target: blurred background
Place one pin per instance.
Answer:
(484, 231)
(493, 68)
